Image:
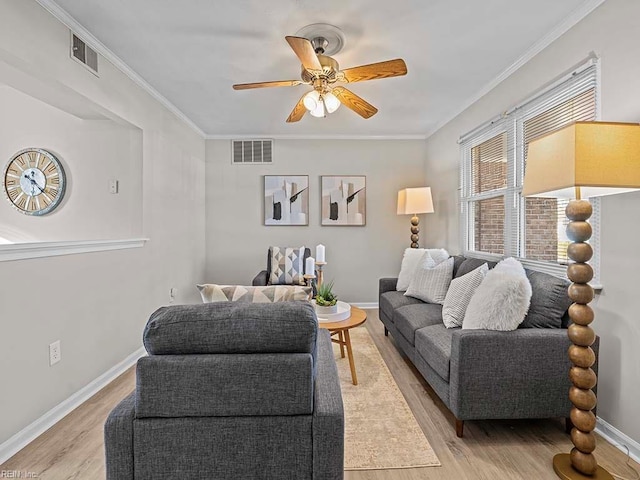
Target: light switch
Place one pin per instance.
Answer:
(113, 186)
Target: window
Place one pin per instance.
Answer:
(496, 220)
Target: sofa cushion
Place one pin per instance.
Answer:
(470, 264)
(410, 318)
(391, 301)
(232, 327)
(433, 344)
(549, 301)
(457, 261)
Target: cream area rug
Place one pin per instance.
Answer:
(380, 431)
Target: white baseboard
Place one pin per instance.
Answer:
(28, 434)
(616, 438)
(366, 305)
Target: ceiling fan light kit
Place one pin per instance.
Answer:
(321, 72)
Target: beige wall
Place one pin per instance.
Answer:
(237, 240)
(95, 303)
(612, 32)
(92, 152)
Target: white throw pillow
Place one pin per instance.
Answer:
(439, 255)
(431, 284)
(459, 295)
(410, 260)
(502, 300)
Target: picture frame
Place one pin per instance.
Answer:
(344, 200)
(286, 200)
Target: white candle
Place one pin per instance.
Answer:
(310, 266)
(320, 253)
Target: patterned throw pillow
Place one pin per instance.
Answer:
(237, 293)
(459, 295)
(287, 266)
(431, 284)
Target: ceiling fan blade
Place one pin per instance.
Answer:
(354, 102)
(298, 111)
(390, 68)
(279, 83)
(305, 52)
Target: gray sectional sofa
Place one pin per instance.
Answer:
(482, 374)
(231, 391)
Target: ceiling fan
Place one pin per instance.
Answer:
(322, 72)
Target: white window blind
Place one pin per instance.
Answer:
(496, 221)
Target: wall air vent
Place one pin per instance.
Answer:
(84, 54)
(251, 152)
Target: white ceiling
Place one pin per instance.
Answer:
(192, 51)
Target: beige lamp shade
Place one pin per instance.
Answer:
(412, 201)
(600, 158)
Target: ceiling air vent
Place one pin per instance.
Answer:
(252, 151)
(84, 54)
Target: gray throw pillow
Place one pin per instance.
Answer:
(549, 301)
(431, 284)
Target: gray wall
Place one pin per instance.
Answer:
(237, 240)
(95, 303)
(612, 32)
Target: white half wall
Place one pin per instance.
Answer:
(96, 304)
(237, 240)
(612, 32)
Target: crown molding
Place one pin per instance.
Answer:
(315, 137)
(560, 29)
(59, 13)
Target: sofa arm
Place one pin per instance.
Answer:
(518, 374)
(118, 440)
(261, 279)
(328, 415)
(387, 285)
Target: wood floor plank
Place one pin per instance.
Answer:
(490, 450)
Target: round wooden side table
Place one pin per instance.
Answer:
(340, 334)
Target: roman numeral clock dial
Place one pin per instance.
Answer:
(34, 181)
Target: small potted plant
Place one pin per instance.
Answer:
(326, 300)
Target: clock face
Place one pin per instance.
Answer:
(34, 181)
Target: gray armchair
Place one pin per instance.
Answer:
(231, 391)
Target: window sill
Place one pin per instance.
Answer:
(23, 251)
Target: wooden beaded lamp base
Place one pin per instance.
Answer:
(581, 463)
(414, 231)
(563, 468)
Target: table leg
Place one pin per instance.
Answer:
(347, 342)
(341, 338)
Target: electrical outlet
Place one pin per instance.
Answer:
(55, 353)
(172, 294)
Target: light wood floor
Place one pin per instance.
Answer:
(491, 450)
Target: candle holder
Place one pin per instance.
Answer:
(309, 280)
(319, 267)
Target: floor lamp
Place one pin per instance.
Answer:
(413, 201)
(582, 160)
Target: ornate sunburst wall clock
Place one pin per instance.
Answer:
(34, 181)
